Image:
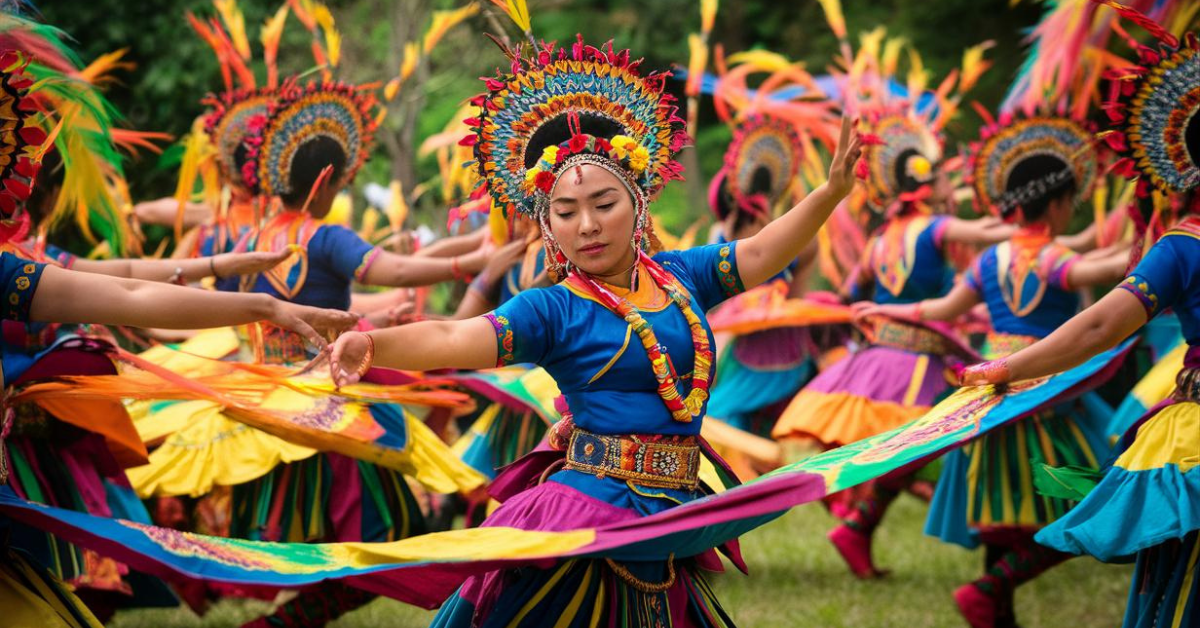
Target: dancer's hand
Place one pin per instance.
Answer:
(351, 358)
(993, 372)
(503, 259)
(315, 324)
(907, 312)
(842, 171)
(233, 264)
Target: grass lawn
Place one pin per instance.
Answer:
(796, 579)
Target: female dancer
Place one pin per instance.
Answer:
(585, 169)
(1146, 503)
(1032, 171)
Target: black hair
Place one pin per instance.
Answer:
(311, 158)
(47, 183)
(1059, 182)
(557, 130)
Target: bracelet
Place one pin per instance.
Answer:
(919, 311)
(454, 269)
(212, 266)
(177, 277)
(368, 357)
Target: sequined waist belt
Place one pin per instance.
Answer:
(910, 338)
(1187, 385)
(1003, 345)
(273, 345)
(659, 462)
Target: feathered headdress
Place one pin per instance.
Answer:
(1065, 148)
(760, 165)
(346, 114)
(21, 141)
(565, 102)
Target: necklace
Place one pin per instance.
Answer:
(682, 408)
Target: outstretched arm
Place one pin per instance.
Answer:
(957, 302)
(395, 270)
(1099, 271)
(66, 296)
(979, 231)
(767, 252)
(184, 270)
(1098, 328)
(468, 344)
(455, 245)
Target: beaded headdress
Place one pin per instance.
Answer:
(1009, 142)
(21, 141)
(899, 146)
(300, 114)
(1154, 107)
(760, 165)
(566, 106)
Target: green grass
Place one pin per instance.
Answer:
(796, 579)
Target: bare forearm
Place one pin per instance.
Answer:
(467, 344)
(409, 271)
(67, 297)
(1096, 329)
(453, 245)
(770, 250)
(147, 269)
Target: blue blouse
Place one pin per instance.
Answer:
(336, 257)
(20, 279)
(599, 364)
(1169, 277)
(1030, 303)
(906, 260)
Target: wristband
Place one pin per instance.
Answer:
(368, 357)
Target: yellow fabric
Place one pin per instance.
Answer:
(187, 358)
(841, 418)
(210, 449)
(1159, 382)
(38, 606)
(1170, 437)
(433, 464)
(1181, 604)
(918, 378)
(477, 430)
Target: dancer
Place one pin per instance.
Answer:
(1032, 171)
(1146, 502)
(584, 170)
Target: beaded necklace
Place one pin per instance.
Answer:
(683, 409)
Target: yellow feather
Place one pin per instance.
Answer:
(763, 60)
(443, 21)
(891, 56)
(333, 38)
(370, 223)
(917, 75)
(708, 14)
(397, 210)
(412, 54)
(973, 65)
(835, 17)
(272, 29)
(517, 11)
(235, 23)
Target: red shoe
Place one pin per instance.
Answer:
(978, 608)
(855, 548)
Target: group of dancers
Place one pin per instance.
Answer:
(592, 377)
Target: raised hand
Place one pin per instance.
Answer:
(842, 168)
(993, 372)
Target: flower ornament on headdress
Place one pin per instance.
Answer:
(1155, 108)
(21, 141)
(760, 164)
(596, 89)
(1009, 142)
(346, 114)
(896, 147)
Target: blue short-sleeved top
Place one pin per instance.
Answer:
(1168, 277)
(19, 278)
(906, 260)
(1026, 291)
(599, 364)
(335, 257)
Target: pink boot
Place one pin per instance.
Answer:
(855, 548)
(978, 608)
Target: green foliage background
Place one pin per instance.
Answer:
(175, 69)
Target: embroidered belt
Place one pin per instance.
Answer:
(1003, 345)
(659, 462)
(273, 345)
(897, 335)
(1187, 385)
